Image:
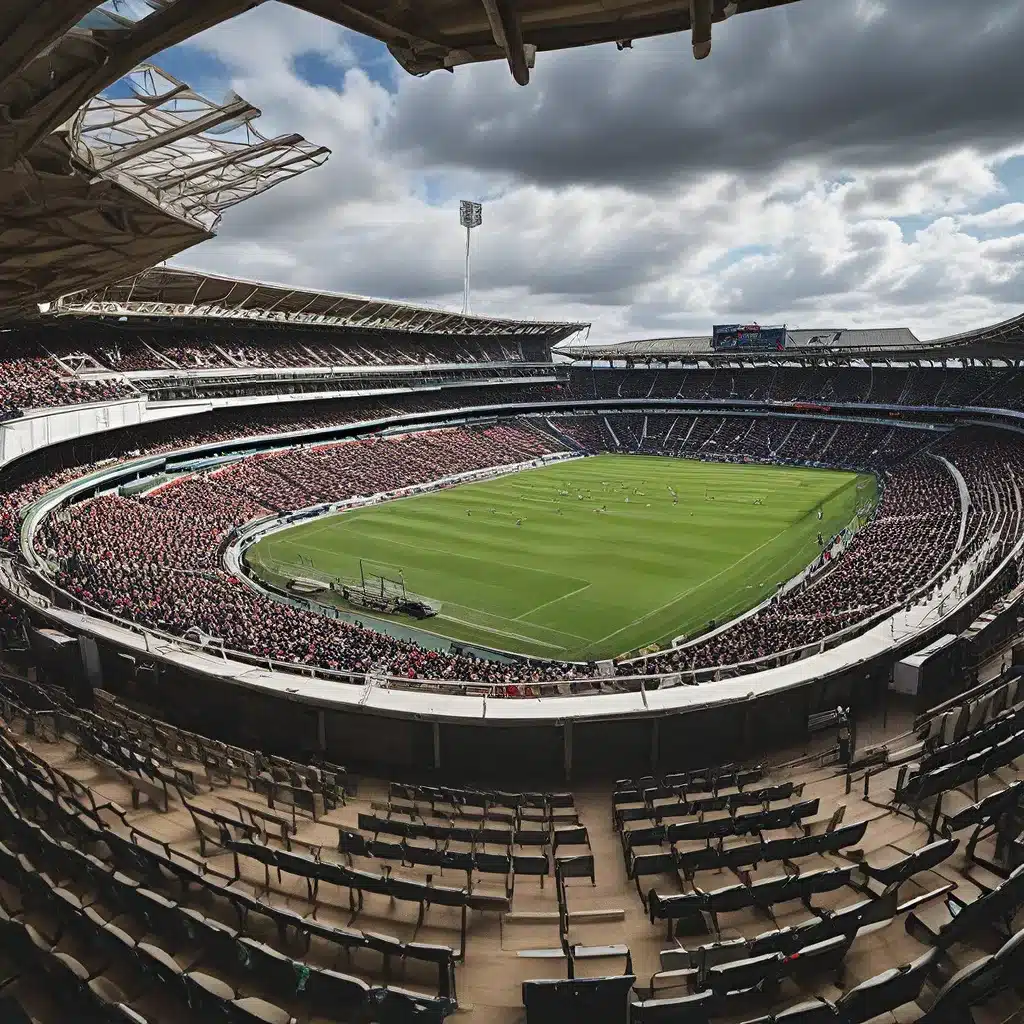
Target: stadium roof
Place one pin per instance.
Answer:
(60, 231)
(56, 55)
(431, 35)
(136, 176)
(830, 340)
(170, 292)
(999, 341)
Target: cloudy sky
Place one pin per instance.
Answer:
(835, 163)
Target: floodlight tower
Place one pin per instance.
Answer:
(470, 216)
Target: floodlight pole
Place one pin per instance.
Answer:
(465, 292)
(470, 216)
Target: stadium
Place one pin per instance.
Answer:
(369, 662)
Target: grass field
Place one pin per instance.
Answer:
(572, 582)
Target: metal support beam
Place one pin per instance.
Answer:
(410, 38)
(567, 750)
(507, 30)
(113, 56)
(208, 166)
(700, 27)
(436, 729)
(237, 111)
(28, 28)
(655, 743)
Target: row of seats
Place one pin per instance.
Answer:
(651, 810)
(752, 854)
(762, 894)
(977, 738)
(566, 835)
(480, 798)
(730, 802)
(914, 787)
(680, 785)
(316, 788)
(729, 825)
(157, 862)
(604, 1000)
(194, 958)
(885, 993)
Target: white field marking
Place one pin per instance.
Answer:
(696, 587)
(438, 551)
(560, 633)
(703, 583)
(499, 632)
(554, 600)
(480, 611)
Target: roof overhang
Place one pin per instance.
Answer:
(61, 230)
(137, 176)
(1004, 340)
(171, 292)
(434, 35)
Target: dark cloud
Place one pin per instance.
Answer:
(851, 83)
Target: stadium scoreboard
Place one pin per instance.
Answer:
(748, 336)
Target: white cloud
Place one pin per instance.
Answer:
(892, 243)
(1006, 216)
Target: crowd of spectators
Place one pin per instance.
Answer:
(745, 438)
(992, 465)
(950, 386)
(21, 488)
(10, 621)
(334, 472)
(155, 559)
(34, 373)
(30, 378)
(127, 351)
(60, 464)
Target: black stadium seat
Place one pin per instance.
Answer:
(692, 1009)
(578, 1001)
(886, 992)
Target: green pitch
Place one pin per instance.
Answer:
(604, 559)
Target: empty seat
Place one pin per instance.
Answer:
(816, 1011)
(887, 991)
(692, 1009)
(577, 1001)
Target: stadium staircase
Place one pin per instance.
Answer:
(549, 431)
(779, 448)
(608, 427)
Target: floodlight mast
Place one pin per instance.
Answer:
(470, 216)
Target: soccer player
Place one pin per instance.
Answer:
(519, 522)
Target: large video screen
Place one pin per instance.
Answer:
(748, 336)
